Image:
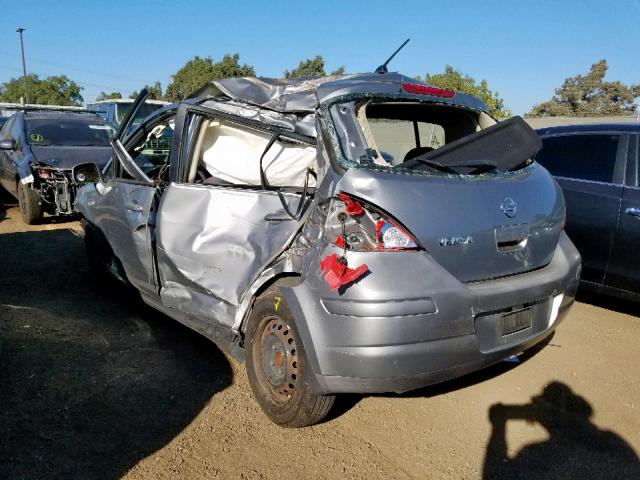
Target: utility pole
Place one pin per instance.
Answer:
(24, 66)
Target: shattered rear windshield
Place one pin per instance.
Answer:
(56, 131)
(427, 138)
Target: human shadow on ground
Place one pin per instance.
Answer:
(92, 381)
(576, 448)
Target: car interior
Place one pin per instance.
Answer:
(227, 153)
(400, 131)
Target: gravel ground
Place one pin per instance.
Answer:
(96, 385)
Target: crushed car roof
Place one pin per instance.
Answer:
(304, 95)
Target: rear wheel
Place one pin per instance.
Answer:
(30, 204)
(278, 368)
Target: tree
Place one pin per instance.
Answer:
(311, 67)
(155, 91)
(453, 79)
(589, 96)
(198, 71)
(108, 96)
(54, 90)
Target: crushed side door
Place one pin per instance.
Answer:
(213, 241)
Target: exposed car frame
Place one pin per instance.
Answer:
(41, 181)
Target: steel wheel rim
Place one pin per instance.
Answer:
(277, 360)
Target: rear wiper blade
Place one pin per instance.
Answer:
(477, 165)
(507, 145)
(430, 163)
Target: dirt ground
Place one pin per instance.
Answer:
(96, 385)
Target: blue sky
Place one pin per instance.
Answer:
(524, 49)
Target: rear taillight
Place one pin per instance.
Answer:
(355, 225)
(425, 90)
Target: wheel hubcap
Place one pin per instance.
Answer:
(278, 358)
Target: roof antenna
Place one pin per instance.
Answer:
(382, 69)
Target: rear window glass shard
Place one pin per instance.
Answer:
(502, 147)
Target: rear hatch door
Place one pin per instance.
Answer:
(477, 227)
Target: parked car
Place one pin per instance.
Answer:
(38, 150)
(597, 168)
(276, 227)
(113, 111)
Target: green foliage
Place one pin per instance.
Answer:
(454, 80)
(155, 91)
(108, 96)
(312, 67)
(589, 96)
(198, 71)
(54, 90)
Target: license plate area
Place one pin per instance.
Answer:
(514, 322)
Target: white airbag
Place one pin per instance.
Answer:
(233, 153)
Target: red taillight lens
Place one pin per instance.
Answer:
(425, 90)
(354, 225)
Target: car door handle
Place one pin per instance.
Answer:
(134, 207)
(633, 211)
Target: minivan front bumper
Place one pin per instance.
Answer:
(409, 323)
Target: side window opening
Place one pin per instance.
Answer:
(226, 153)
(584, 156)
(151, 154)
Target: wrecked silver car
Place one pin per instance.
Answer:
(365, 233)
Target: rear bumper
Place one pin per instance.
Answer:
(395, 335)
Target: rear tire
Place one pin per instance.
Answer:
(278, 368)
(30, 204)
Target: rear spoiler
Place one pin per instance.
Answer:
(506, 144)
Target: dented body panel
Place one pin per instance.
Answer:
(397, 277)
(205, 266)
(375, 338)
